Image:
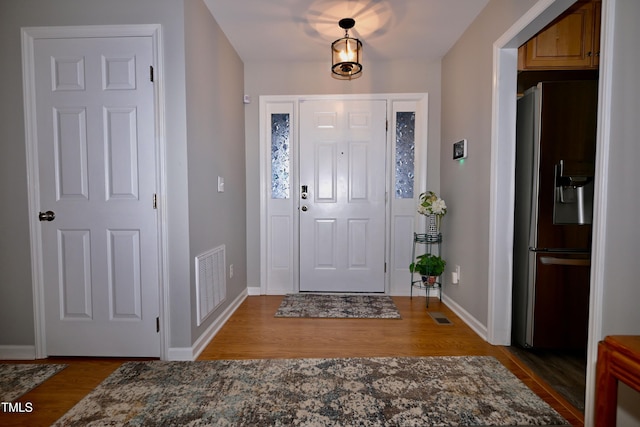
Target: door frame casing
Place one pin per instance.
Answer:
(502, 179)
(29, 36)
(290, 104)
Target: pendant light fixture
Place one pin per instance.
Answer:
(346, 53)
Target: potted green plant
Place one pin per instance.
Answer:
(428, 266)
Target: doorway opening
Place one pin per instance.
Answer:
(503, 166)
(340, 148)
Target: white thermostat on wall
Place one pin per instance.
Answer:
(460, 149)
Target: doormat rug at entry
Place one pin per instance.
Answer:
(16, 379)
(338, 306)
(426, 391)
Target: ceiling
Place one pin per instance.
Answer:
(302, 30)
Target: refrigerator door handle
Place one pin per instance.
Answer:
(563, 251)
(551, 260)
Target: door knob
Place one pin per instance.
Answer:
(304, 208)
(47, 216)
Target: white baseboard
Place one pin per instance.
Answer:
(254, 290)
(192, 353)
(17, 352)
(394, 293)
(416, 293)
(467, 318)
(274, 290)
(180, 354)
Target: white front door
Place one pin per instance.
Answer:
(342, 218)
(97, 174)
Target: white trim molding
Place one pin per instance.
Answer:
(192, 353)
(17, 352)
(502, 193)
(466, 317)
(599, 230)
(401, 214)
(502, 180)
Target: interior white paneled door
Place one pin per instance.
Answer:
(342, 220)
(97, 173)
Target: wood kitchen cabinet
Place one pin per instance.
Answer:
(570, 42)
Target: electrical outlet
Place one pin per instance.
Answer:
(230, 271)
(458, 276)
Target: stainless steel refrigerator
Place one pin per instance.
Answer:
(555, 157)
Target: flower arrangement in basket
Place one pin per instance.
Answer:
(434, 208)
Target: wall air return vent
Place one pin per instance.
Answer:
(211, 284)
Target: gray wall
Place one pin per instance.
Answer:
(15, 263)
(310, 78)
(467, 85)
(215, 146)
(466, 113)
(621, 245)
(15, 267)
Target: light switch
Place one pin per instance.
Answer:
(220, 184)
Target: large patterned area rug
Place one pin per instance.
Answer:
(17, 379)
(338, 306)
(428, 391)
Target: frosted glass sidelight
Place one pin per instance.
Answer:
(280, 152)
(405, 149)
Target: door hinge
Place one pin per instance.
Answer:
(386, 126)
(157, 324)
(385, 267)
(155, 201)
(151, 73)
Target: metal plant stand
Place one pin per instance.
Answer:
(432, 243)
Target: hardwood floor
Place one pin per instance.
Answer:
(564, 370)
(254, 333)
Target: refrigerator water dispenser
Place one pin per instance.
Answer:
(573, 201)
